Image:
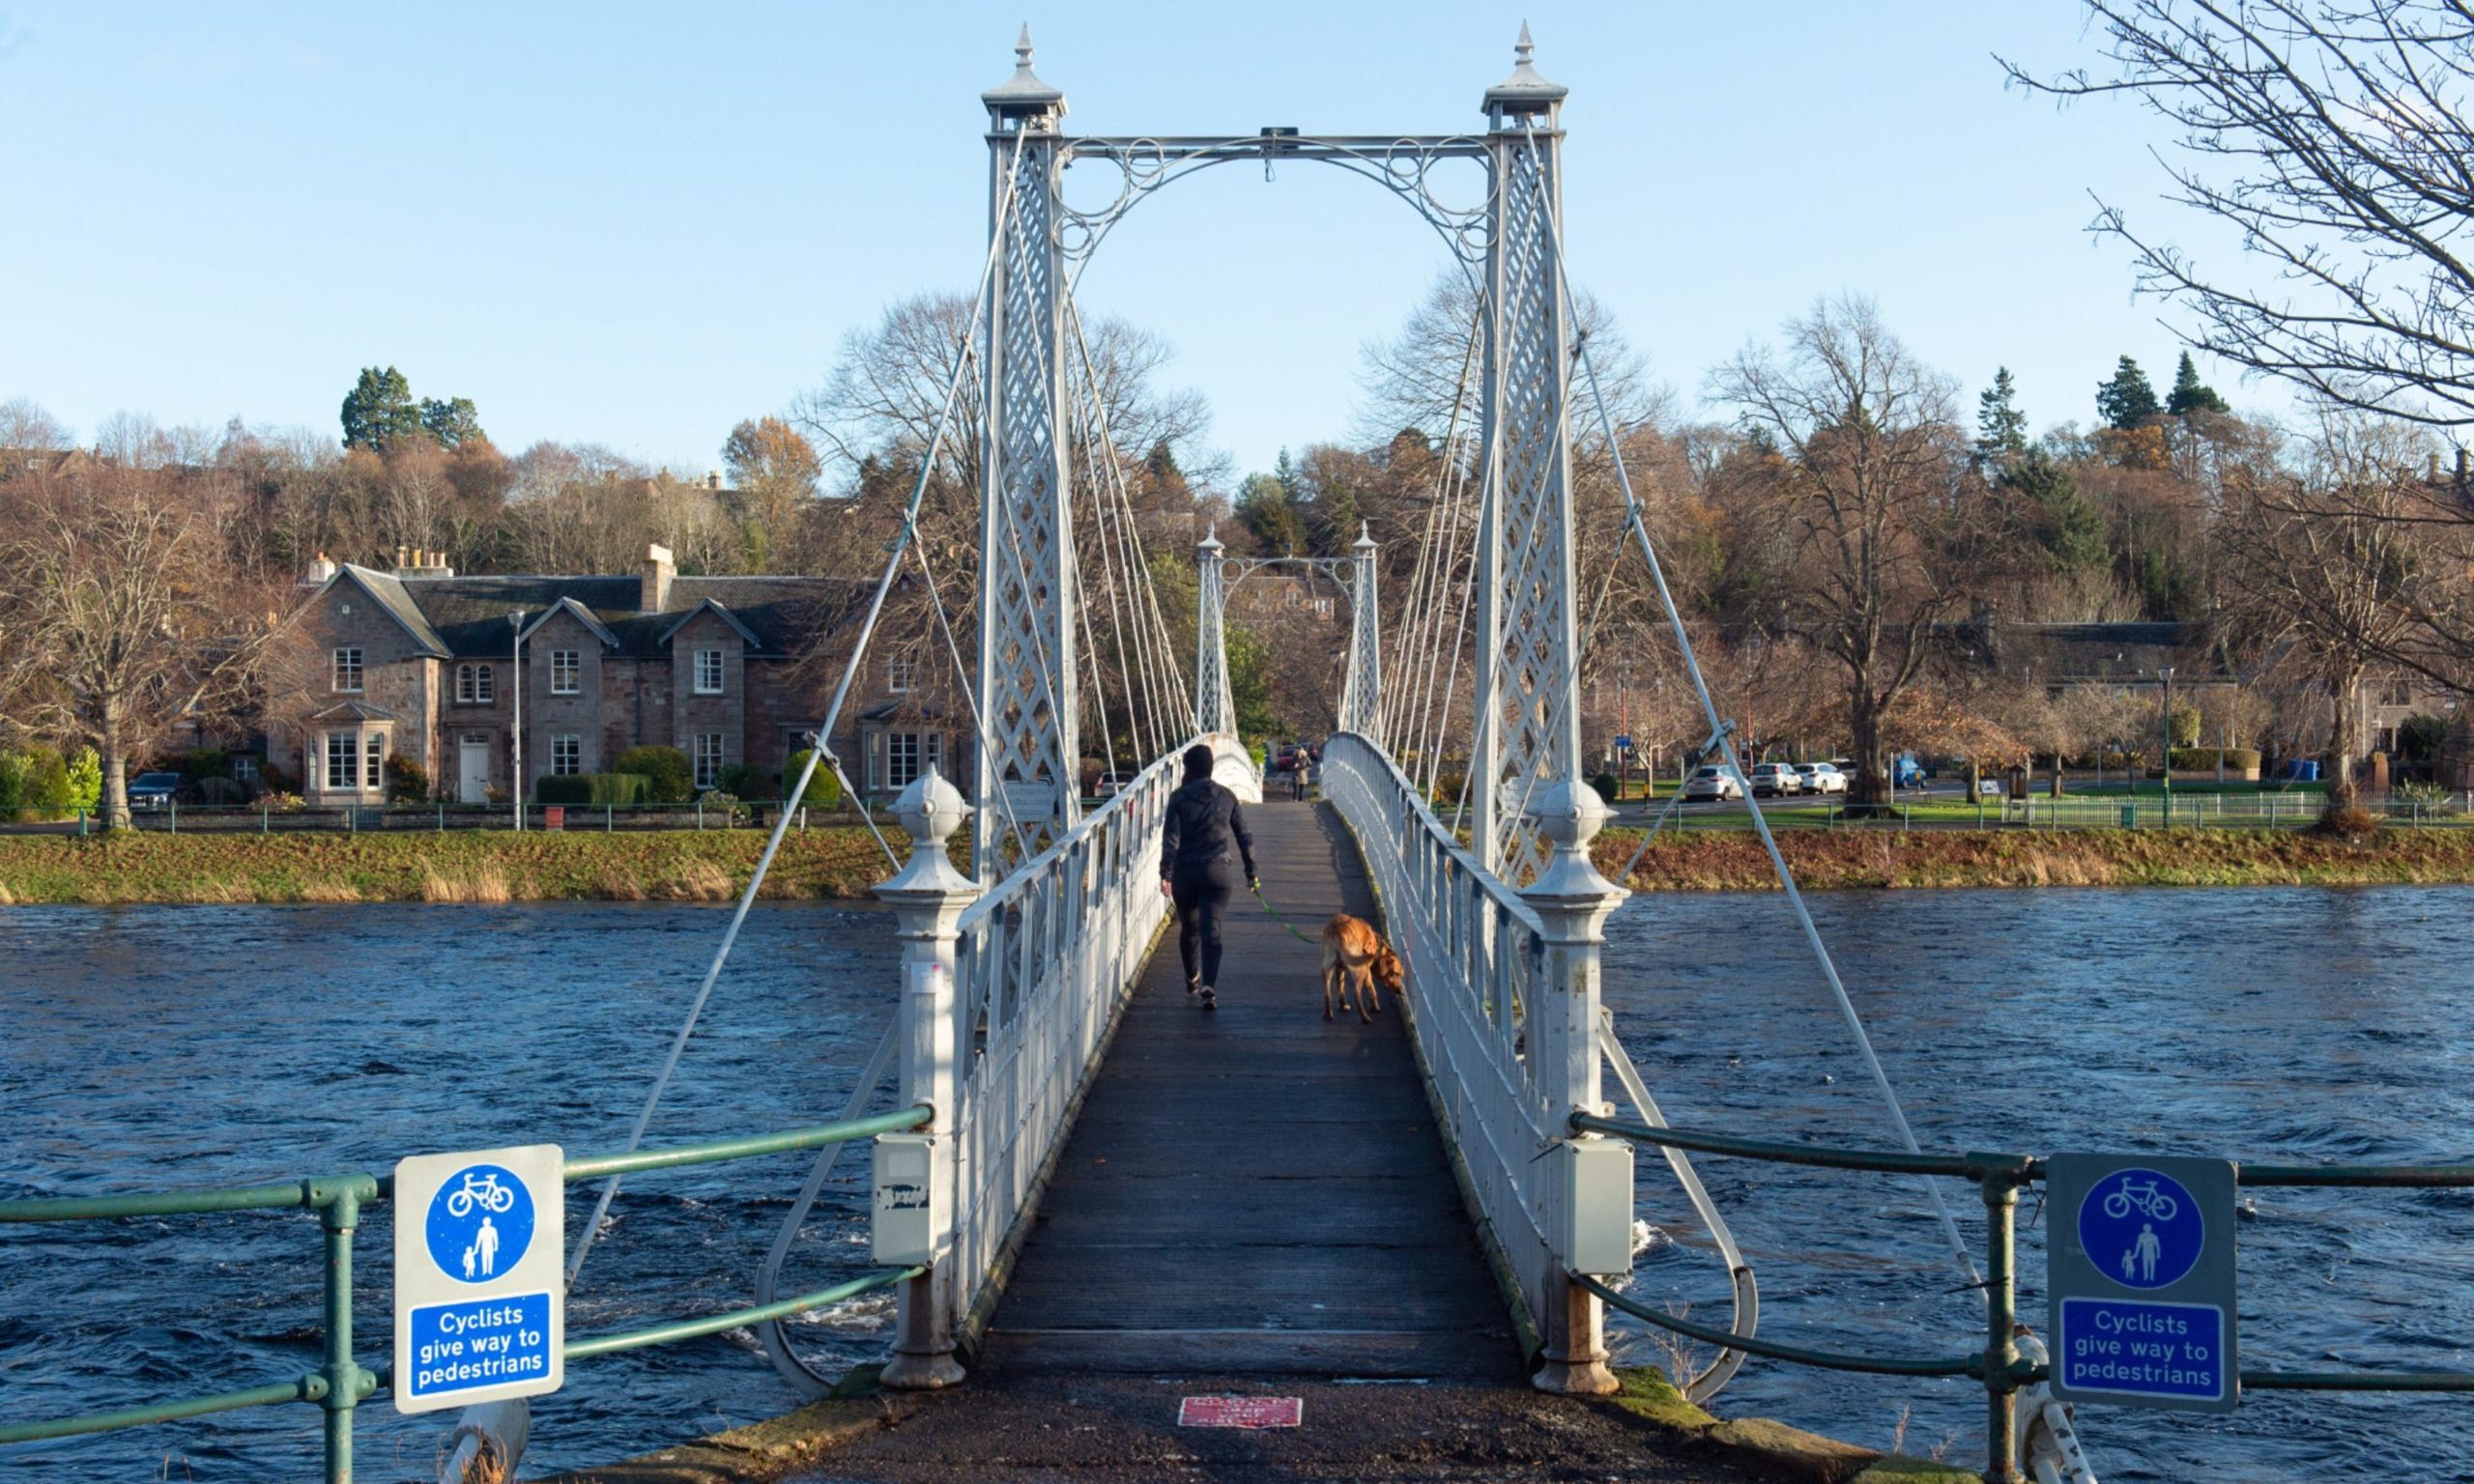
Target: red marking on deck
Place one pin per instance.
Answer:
(1240, 1412)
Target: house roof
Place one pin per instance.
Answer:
(357, 710)
(387, 592)
(2100, 653)
(714, 605)
(781, 616)
(583, 615)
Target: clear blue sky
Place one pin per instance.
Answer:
(636, 225)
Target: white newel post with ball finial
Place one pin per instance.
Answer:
(1589, 1195)
(929, 897)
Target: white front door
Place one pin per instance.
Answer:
(475, 786)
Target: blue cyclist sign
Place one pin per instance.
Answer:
(2142, 1280)
(480, 1307)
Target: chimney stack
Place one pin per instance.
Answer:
(713, 480)
(654, 596)
(322, 571)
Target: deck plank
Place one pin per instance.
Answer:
(1256, 1190)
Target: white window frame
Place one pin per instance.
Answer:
(566, 671)
(566, 754)
(475, 685)
(708, 673)
(347, 667)
(245, 768)
(711, 755)
(373, 758)
(907, 755)
(902, 675)
(343, 761)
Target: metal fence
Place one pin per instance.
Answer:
(2181, 809)
(1999, 1365)
(270, 819)
(341, 1383)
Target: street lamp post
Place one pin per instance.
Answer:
(2166, 672)
(515, 758)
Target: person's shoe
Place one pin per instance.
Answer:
(1210, 1001)
(1193, 984)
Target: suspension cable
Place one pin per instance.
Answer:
(1640, 530)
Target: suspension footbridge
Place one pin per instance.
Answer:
(1121, 1191)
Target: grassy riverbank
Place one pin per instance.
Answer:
(842, 863)
(473, 865)
(1941, 858)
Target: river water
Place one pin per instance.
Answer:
(147, 1049)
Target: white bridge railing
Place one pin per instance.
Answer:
(1503, 992)
(1009, 995)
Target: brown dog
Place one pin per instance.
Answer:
(1356, 956)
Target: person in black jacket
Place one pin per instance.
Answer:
(1202, 845)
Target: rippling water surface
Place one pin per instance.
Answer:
(2268, 1025)
(164, 1049)
(154, 1048)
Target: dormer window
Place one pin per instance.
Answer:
(565, 666)
(709, 671)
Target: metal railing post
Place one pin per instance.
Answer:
(928, 897)
(1572, 901)
(339, 1214)
(2000, 1185)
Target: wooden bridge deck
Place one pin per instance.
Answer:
(1256, 1192)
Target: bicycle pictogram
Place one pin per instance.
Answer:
(487, 1192)
(2148, 1200)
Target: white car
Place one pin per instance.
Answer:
(1713, 783)
(1778, 779)
(1821, 777)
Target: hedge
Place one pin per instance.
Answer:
(674, 782)
(620, 789)
(824, 790)
(2192, 759)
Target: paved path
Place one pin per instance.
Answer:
(1256, 1190)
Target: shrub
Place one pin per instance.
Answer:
(85, 773)
(276, 780)
(2432, 797)
(46, 787)
(1605, 786)
(203, 763)
(406, 781)
(740, 781)
(674, 782)
(222, 791)
(824, 790)
(1447, 787)
(2195, 759)
(13, 783)
(571, 789)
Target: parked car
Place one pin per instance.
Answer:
(1286, 758)
(1711, 783)
(1775, 779)
(154, 791)
(1907, 772)
(1109, 784)
(1821, 777)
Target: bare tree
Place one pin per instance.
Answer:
(2326, 562)
(1856, 474)
(121, 614)
(2333, 135)
(26, 425)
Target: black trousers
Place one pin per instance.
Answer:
(1201, 893)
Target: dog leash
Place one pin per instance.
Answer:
(1283, 922)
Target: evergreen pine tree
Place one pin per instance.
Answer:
(2127, 400)
(2192, 395)
(2000, 428)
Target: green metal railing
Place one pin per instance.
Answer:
(1999, 1366)
(340, 1385)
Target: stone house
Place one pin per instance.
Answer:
(733, 672)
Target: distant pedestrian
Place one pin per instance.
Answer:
(1202, 845)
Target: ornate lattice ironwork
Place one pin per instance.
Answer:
(1215, 704)
(1362, 691)
(1030, 754)
(1528, 726)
